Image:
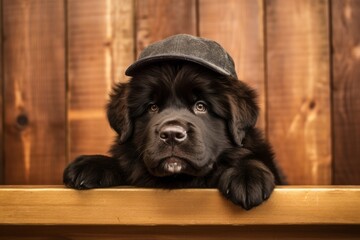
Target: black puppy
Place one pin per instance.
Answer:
(181, 125)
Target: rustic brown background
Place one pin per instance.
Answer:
(59, 59)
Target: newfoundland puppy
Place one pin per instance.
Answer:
(181, 125)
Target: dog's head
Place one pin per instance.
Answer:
(181, 116)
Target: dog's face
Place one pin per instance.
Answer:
(181, 117)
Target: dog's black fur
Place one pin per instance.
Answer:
(181, 125)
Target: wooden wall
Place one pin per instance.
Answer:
(59, 59)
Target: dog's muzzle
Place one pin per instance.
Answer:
(177, 145)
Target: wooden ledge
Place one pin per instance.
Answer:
(56, 205)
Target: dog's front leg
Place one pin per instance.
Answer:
(247, 183)
(92, 171)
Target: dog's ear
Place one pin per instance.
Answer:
(243, 111)
(118, 112)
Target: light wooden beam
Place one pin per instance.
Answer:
(49, 205)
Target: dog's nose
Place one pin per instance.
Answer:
(172, 134)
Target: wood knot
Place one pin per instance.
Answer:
(312, 104)
(22, 120)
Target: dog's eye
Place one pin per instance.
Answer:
(200, 107)
(153, 108)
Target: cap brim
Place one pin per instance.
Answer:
(132, 69)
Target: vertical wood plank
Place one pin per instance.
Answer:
(99, 48)
(123, 37)
(238, 27)
(158, 19)
(89, 76)
(34, 66)
(298, 88)
(346, 89)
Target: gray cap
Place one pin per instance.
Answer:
(203, 51)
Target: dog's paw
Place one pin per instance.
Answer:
(91, 171)
(247, 186)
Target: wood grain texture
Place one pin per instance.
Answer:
(123, 37)
(298, 84)
(158, 19)
(100, 46)
(34, 86)
(346, 89)
(238, 26)
(43, 205)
